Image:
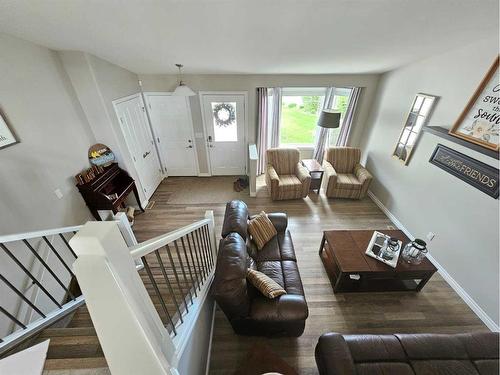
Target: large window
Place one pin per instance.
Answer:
(340, 103)
(300, 108)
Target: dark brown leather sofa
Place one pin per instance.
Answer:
(249, 312)
(408, 354)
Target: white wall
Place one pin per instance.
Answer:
(425, 198)
(249, 83)
(195, 356)
(39, 103)
(97, 83)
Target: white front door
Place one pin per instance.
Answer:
(173, 128)
(224, 121)
(140, 143)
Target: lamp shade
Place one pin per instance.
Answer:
(183, 90)
(329, 119)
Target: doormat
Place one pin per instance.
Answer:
(150, 205)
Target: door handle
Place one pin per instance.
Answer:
(145, 154)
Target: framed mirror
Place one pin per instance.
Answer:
(420, 111)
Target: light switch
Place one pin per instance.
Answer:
(58, 193)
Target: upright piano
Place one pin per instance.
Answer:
(108, 190)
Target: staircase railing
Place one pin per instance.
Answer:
(145, 317)
(37, 283)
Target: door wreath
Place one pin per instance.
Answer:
(224, 114)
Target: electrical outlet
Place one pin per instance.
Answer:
(430, 236)
(58, 193)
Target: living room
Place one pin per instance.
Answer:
(350, 124)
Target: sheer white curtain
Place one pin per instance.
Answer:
(345, 128)
(322, 133)
(269, 119)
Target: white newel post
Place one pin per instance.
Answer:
(130, 331)
(211, 229)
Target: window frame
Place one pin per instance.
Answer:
(302, 91)
(416, 114)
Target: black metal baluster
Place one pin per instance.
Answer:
(164, 272)
(202, 257)
(157, 290)
(206, 238)
(200, 268)
(67, 244)
(37, 256)
(12, 317)
(193, 284)
(18, 292)
(213, 251)
(29, 274)
(58, 256)
(176, 275)
(192, 261)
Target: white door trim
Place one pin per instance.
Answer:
(124, 99)
(201, 94)
(190, 117)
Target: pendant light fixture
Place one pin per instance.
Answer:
(182, 89)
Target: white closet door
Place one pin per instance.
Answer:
(173, 127)
(140, 143)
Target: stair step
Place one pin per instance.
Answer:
(64, 347)
(75, 351)
(68, 331)
(75, 363)
(73, 340)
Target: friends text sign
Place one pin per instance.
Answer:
(480, 175)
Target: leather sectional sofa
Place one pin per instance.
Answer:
(249, 312)
(408, 354)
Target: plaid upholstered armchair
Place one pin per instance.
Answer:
(345, 177)
(286, 177)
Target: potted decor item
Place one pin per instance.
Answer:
(414, 252)
(390, 249)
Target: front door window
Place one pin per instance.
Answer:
(225, 121)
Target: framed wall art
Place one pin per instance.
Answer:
(420, 110)
(479, 122)
(7, 138)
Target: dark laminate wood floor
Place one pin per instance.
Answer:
(436, 309)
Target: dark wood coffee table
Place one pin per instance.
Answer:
(344, 258)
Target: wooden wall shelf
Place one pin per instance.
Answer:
(443, 133)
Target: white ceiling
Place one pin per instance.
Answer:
(253, 36)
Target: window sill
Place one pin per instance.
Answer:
(300, 147)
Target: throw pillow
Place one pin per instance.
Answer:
(267, 286)
(261, 229)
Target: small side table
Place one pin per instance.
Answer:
(315, 171)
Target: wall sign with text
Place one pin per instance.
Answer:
(479, 122)
(478, 174)
(7, 138)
